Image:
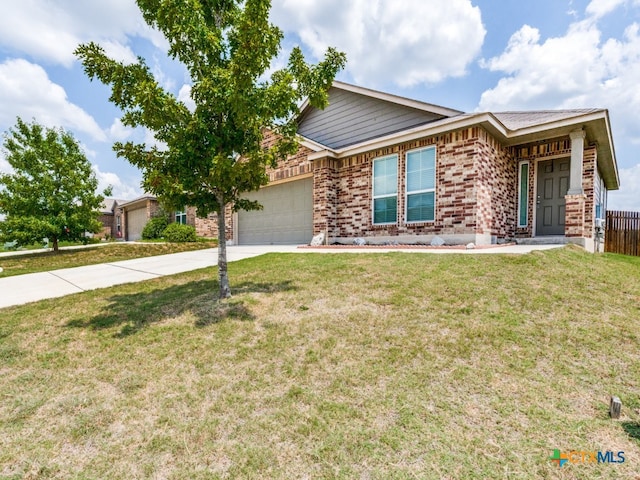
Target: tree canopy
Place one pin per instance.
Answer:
(209, 156)
(51, 192)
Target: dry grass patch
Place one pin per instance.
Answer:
(330, 366)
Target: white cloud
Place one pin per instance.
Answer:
(151, 141)
(119, 52)
(184, 95)
(122, 190)
(576, 70)
(627, 198)
(600, 8)
(119, 132)
(51, 31)
(27, 91)
(547, 74)
(407, 43)
(5, 167)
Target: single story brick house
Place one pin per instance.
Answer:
(131, 217)
(110, 217)
(391, 169)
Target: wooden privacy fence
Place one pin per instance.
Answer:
(622, 233)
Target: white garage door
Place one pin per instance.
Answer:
(136, 220)
(287, 216)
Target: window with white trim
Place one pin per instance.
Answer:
(385, 190)
(523, 194)
(421, 185)
(181, 216)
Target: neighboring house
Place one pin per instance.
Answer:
(131, 217)
(135, 214)
(111, 218)
(391, 169)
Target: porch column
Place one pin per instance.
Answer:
(575, 200)
(577, 156)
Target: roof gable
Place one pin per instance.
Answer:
(355, 115)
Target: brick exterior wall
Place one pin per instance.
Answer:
(575, 216)
(325, 196)
(208, 227)
(476, 190)
(589, 178)
(108, 225)
(497, 189)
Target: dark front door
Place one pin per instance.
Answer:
(553, 183)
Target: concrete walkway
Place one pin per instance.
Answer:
(21, 289)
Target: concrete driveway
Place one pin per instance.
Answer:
(21, 289)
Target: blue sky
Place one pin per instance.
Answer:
(471, 55)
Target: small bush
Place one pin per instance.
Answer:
(155, 228)
(177, 232)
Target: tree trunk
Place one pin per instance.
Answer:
(55, 244)
(223, 277)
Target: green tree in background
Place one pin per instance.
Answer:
(51, 192)
(212, 154)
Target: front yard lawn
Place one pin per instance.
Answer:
(376, 366)
(113, 252)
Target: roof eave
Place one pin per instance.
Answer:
(138, 200)
(596, 125)
(487, 120)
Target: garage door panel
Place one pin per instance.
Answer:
(136, 220)
(286, 217)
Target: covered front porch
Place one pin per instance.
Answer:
(561, 191)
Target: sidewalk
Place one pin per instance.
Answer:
(20, 289)
(32, 287)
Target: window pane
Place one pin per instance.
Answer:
(524, 195)
(420, 207)
(385, 176)
(421, 169)
(385, 210)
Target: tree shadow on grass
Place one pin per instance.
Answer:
(135, 311)
(632, 429)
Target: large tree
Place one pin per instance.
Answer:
(211, 155)
(51, 192)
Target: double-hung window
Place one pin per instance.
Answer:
(421, 185)
(385, 190)
(181, 216)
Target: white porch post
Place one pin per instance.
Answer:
(577, 156)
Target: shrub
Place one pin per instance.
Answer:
(177, 232)
(155, 228)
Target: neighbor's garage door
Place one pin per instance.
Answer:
(136, 220)
(287, 216)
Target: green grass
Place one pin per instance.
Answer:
(380, 366)
(39, 246)
(113, 252)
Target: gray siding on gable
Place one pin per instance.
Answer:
(351, 118)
